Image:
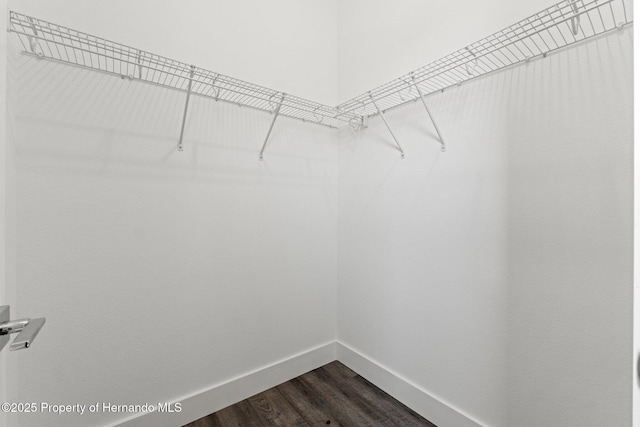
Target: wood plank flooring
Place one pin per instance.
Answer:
(331, 395)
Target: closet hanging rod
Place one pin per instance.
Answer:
(559, 26)
(62, 44)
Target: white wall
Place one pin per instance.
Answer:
(287, 45)
(571, 238)
(438, 253)
(163, 273)
(497, 277)
(422, 283)
(3, 174)
(636, 245)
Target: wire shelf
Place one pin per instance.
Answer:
(556, 27)
(58, 43)
(566, 23)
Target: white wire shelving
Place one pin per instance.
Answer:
(561, 25)
(55, 42)
(554, 28)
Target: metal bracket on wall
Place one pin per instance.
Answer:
(273, 122)
(34, 44)
(575, 21)
(384, 119)
(471, 65)
(186, 106)
(139, 63)
(443, 146)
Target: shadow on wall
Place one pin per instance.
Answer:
(513, 247)
(570, 237)
(99, 119)
(116, 227)
(456, 110)
(422, 246)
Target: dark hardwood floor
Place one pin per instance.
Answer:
(331, 395)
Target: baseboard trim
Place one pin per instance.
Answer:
(435, 410)
(204, 402)
(199, 404)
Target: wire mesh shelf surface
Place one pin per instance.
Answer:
(59, 43)
(556, 27)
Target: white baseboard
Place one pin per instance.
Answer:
(205, 402)
(430, 407)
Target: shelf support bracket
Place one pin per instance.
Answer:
(34, 43)
(384, 119)
(273, 122)
(186, 106)
(139, 62)
(443, 146)
(575, 20)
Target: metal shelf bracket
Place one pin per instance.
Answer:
(384, 119)
(443, 146)
(575, 21)
(186, 106)
(471, 66)
(34, 44)
(139, 62)
(273, 122)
